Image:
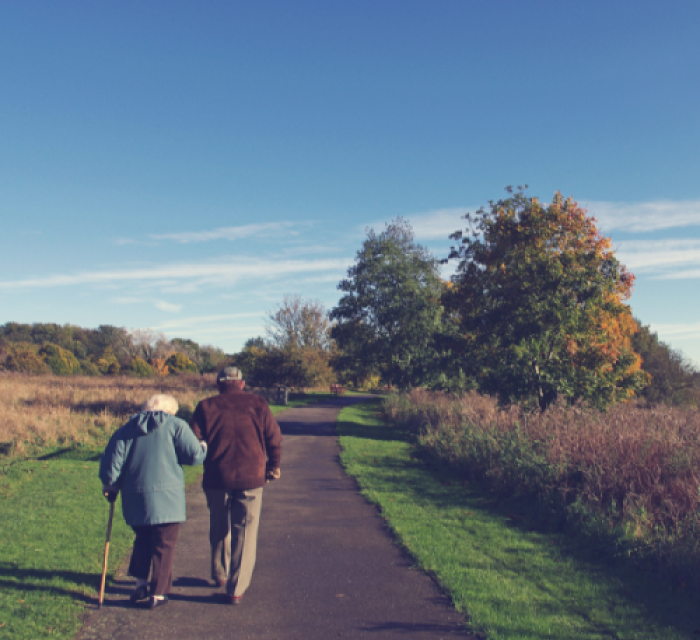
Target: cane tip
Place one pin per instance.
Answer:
(99, 605)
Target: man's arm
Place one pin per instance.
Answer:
(196, 423)
(273, 445)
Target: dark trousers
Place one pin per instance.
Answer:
(155, 544)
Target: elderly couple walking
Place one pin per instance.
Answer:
(236, 437)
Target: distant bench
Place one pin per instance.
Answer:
(337, 389)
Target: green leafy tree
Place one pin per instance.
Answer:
(23, 357)
(108, 363)
(89, 368)
(539, 299)
(139, 367)
(674, 379)
(61, 361)
(213, 359)
(390, 311)
(180, 363)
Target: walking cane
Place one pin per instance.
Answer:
(104, 564)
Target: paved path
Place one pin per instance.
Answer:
(327, 567)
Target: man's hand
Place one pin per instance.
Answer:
(110, 492)
(272, 474)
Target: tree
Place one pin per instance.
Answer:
(61, 361)
(149, 344)
(180, 363)
(108, 363)
(298, 323)
(22, 357)
(539, 298)
(390, 310)
(674, 379)
(139, 367)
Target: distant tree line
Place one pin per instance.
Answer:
(108, 350)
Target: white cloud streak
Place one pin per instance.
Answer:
(680, 330)
(661, 259)
(167, 306)
(644, 216)
(225, 233)
(438, 224)
(209, 273)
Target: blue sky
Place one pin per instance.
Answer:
(182, 166)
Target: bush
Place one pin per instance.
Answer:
(180, 363)
(22, 357)
(88, 368)
(139, 367)
(108, 363)
(61, 361)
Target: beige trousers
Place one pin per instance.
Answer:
(233, 536)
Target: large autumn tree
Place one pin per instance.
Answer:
(539, 298)
(389, 313)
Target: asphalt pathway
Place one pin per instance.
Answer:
(326, 567)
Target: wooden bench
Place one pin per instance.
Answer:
(337, 389)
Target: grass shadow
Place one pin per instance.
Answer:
(75, 452)
(25, 580)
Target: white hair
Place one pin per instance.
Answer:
(161, 402)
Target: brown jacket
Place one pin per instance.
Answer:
(240, 432)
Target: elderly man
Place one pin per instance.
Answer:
(244, 452)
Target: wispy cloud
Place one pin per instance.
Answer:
(430, 225)
(227, 233)
(644, 216)
(197, 321)
(163, 305)
(167, 306)
(212, 273)
(682, 330)
(662, 259)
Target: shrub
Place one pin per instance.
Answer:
(61, 361)
(88, 368)
(180, 363)
(635, 468)
(22, 357)
(139, 367)
(108, 363)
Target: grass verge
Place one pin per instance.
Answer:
(53, 521)
(511, 577)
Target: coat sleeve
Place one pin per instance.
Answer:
(273, 440)
(113, 459)
(196, 422)
(189, 449)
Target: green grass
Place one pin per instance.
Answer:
(511, 582)
(300, 400)
(53, 521)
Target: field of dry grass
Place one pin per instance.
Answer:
(43, 411)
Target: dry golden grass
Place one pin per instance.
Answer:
(41, 411)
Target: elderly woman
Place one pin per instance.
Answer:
(143, 460)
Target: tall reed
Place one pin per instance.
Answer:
(40, 411)
(635, 468)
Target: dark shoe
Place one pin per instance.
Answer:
(140, 593)
(157, 602)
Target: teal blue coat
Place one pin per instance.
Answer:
(144, 458)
